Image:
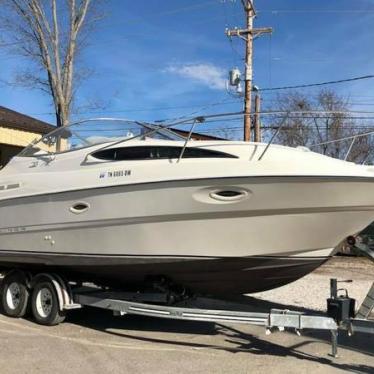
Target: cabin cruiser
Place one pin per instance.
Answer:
(129, 203)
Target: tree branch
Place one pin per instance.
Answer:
(38, 30)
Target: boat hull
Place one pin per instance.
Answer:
(208, 276)
(279, 216)
(282, 228)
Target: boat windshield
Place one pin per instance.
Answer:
(93, 132)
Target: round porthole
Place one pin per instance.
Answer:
(229, 195)
(79, 207)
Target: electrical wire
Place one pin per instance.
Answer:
(238, 116)
(270, 62)
(317, 84)
(278, 11)
(145, 109)
(186, 116)
(235, 53)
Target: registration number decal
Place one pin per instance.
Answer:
(115, 174)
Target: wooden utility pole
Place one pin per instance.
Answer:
(256, 119)
(248, 35)
(248, 71)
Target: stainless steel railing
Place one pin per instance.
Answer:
(353, 139)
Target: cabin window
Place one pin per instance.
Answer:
(156, 153)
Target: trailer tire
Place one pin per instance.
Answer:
(14, 295)
(45, 304)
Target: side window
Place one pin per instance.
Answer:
(205, 153)
(156, 152)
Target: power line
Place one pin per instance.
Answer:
(237, 116)
(318, 84)
(223, 102)
(276, 11)
(188, 115)
(268, 128)
(236, 120)
(146, 109)
(238, 128)
(234, 51)
(360, 104)
(274, 100)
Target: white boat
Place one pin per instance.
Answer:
(130, 204)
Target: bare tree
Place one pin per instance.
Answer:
(297, 130)
(49, 33)
(321, 119)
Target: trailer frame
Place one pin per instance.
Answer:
(65, 295)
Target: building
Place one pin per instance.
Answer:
(16, 131)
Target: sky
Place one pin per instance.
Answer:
(163, 59)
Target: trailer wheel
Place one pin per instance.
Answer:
(45, 305)
(14, 295)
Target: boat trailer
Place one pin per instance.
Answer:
(63, 296)
(340, 314)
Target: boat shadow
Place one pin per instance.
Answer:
(236, 339)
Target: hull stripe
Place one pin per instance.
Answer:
(250, 178)
(58, 226)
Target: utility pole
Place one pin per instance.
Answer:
(256, 119)
(248, 35)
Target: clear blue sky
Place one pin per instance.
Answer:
(152, 55)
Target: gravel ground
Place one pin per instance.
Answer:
(312, 291)
(94, 341)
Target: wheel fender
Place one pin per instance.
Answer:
(58, 288)
(25, 275)
(67, 294)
